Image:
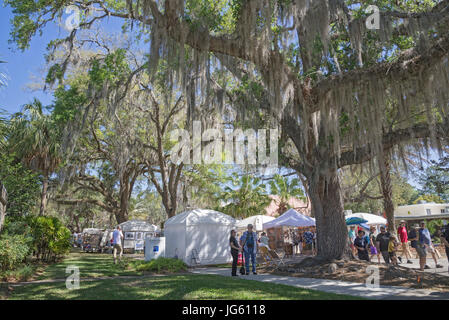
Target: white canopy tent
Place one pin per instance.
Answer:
(371, 218)
(291, 218)
(200, 233)
(257, 221)
(135, 232)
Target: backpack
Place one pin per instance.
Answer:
(242, 268)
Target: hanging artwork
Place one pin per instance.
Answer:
(129, 235)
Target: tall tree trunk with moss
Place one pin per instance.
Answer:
(387, 193)
(327, 207)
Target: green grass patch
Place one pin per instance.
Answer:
(160, 265)
(171, 287)
(91, 265)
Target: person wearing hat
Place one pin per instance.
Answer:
(426, 242)
(413, 237)
(403, 238)
(361, 243)
(248, 241)
(382, 241)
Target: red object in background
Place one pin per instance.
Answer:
(240, 259)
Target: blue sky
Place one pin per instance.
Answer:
(21, 66)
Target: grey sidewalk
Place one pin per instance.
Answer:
(334, 286)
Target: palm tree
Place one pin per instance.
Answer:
(34, 139)
(285, 189)
(247, 199)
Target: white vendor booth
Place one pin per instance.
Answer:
(291, 218)
(134, 233)
(199, 237)
(257, 221)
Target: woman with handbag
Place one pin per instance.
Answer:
(235, 248)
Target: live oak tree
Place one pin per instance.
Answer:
(330, 79)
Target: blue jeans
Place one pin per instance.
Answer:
(250, 255)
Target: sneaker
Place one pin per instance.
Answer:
(409, 262)
(400, 259)
(439, 266)
(255, 273)
(426, 267)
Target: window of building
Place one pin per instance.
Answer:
(428, 211)
(443, 210)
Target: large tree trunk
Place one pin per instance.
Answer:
(121, 214)
(44, 196)
(327, 207)
(3, 202)
(385, 181)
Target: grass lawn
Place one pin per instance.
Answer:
(91, 265)
(171, 287)
(174, 286)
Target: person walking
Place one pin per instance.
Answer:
(426, 241)
(361, 243)
(372, 244)
(235, 248)
(393, 245)
(352, 236)
(248, 242)
(415, 243)
(382, 241)
(117, 237)
(403, 237)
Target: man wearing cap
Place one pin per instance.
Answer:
(426, 241)
(413, 237)
(362, 244)
(403, 237)
(382, 241)
(248, 241)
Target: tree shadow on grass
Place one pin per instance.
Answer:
(177, 287)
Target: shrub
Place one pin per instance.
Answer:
(13, 251)
(166, 265)
(51, 239)
(23, 273)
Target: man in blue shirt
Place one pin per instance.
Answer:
(248, 241)
(426, 241)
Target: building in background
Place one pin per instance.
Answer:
(422, 211)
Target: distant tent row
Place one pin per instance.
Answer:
(201, 236)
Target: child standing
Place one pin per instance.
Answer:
(392, 249)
